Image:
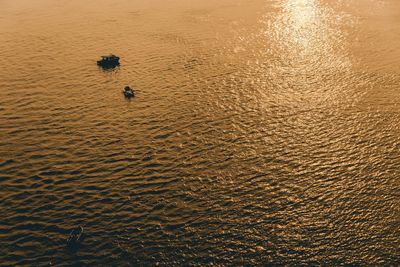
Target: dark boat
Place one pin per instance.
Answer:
(128, 92)
(110, 61)
(75, 237)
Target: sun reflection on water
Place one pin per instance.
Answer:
(302, 18)
(305, 29)
(311, 44)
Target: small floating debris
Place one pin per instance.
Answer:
(128, 92)
(109, 61)
(75, 237)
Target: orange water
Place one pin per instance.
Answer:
(263, 132)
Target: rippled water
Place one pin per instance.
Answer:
(263, 132)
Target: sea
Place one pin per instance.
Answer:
(262, 133)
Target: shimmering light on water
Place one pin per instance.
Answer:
(262, 132)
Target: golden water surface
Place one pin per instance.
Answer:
(262, 132)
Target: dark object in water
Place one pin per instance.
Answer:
(110, 61)
(128, 92)
(75, 237)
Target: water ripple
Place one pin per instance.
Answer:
(263, 132)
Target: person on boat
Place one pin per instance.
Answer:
(128, 92)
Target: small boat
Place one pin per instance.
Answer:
(109, 61)
(128, 92)
(75, 237)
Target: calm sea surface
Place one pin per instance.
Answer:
(263, 132)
